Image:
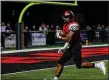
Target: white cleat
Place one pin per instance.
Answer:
(102, 67)
(55, 78)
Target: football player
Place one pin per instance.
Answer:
(72, 28)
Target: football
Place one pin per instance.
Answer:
(62, 33)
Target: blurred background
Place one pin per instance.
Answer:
(42, 21)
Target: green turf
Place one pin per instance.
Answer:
(69, 73)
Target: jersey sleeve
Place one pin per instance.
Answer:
(73, 27)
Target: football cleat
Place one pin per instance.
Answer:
(55, 78)
(102, 67)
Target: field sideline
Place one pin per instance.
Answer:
(69, 73)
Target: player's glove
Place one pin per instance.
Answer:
(58, 34)
(64, 48)
(60, 50)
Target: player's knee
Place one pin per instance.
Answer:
(60, 65)
(60, 62)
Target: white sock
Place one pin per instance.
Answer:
(97, 65)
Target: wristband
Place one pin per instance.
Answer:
(66, 45)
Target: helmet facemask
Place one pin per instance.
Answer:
(68, 16)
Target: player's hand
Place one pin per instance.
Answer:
(59, 37)
(60, 50)
(58, 34)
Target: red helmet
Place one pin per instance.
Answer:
(68, 14)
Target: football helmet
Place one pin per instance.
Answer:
(68, 16)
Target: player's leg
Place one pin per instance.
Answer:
(76, 51)
(66, 56)
(78, 60)
(100, 65)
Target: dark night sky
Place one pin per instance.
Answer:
(93, 13)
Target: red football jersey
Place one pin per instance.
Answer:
(74, 27)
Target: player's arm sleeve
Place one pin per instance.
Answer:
(72, 29)
(65, 45)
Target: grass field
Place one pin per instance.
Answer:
(69, 73)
